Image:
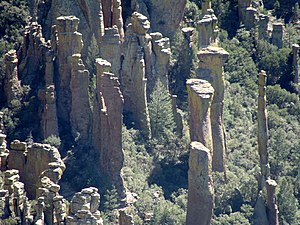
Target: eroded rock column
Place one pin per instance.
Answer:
(200, 190)
(84, 208)
(207, 27)
(271, 202)
(277, 34)
(12, 86)
(110, 102)
(262, 128)
(200, 95)
(211, 64)
(72, 94)
(111, 49)
(133, 76)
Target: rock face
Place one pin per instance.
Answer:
(263, 128)
(242, 7)
(108, 119)
(3, 152)
(72, 93)
(84, 208)
(277, 34)
(133, 72)
(165, 18)
(33, 161)
(200, 190)
(251, 18)
(271, 202)
(210, 68)
(12, 86)
(295, 50)
(200, 94)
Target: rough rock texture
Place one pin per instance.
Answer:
(260, 216)
(262, 135)
(80, 115)
(125, 218)
(12, 86)
(161, 53)
(111, 49)
(271, 202)
(295, 50)
(200, 190)
(88, 11)
(251, 18)
(84, 208)
(72, 93)
(108, 119)
(49, 123)
(112, 13)
(207, 27)
(133, 75)
(200, 94)
(31, 162)
(15, 196)
(166, 17)
(33, 55)
(3, 152)
(211, 62)
(263, 22)
(277, 34)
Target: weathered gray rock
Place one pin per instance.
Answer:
(262, 135)
(12, 86)
(200, 191)
(200, 95)
(271, 202)
(211, 62)
(107, 120)
(165, 18)
(207, 29)
(32, 162)
(84, 208)
(277, 34)
(73, 106)
(133, 75)
(111, 49)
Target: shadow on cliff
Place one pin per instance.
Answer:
(170, 174)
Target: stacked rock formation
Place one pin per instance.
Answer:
(200, 190)
(107, 120)
(12, 86)
(72, 94)
(111, 49)
(15, 197)
(84, 208)
(207, 26)
(263, 27)
(277, 34)
(295, 51)
(211, 62)
(200, 95)
(271, 202)
(4, 152)
(33, 161)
